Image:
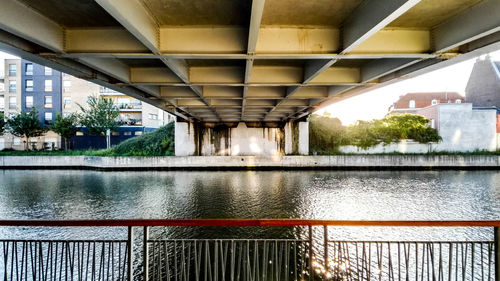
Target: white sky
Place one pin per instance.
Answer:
(375, 104)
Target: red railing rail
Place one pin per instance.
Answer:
(251, 222)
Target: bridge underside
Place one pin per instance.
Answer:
(260, 62)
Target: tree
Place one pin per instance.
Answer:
(65, 127)
(26, 125)
(2, 123)
(326, 134)
(100, 115)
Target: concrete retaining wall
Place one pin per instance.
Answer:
(252, 162)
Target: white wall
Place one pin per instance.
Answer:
(465, 129)
(461, 128)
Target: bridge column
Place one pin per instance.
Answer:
(186, 138)
(297, 138)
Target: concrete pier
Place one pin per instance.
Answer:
(241, 139)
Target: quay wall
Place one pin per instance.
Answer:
(253, 162)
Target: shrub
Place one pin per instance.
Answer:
(157, 143)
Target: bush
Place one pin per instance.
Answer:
(327, 134)
(157, 143)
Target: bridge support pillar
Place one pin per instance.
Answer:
(238, 139)
(297, 138)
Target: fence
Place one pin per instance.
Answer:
(248, 259)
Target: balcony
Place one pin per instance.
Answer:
(130, 122)
(129, 106)
(312, 255)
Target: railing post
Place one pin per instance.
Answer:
(310, 253)
(496, 231)
(145, 254)
(325, 237)
(130, 247)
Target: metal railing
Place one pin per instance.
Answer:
(161, 258)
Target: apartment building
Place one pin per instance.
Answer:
(29, 85)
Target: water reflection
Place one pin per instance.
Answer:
(368, 195)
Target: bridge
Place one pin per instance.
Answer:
(241, 76)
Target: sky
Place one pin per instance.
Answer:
(375, 104)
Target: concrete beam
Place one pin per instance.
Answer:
(134, 17)
(379, 68)
(153, 75)
(315, 68)
(102, 40)
(111, 67)
(395, 41)
(255, 20)
(337, 75)
(231, 56)
(370, 17)
(203, 40)
(478, 21)
(26, 23)
(290, 40)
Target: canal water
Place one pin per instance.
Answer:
(342, 195)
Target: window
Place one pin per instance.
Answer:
(138, 133)
(48, 118)
(29, 69)
(12, 102)
(48, 85)
(433, 124)
(17, 141)
(48, 101)
(29, 101)
(65, 114)
(67, 102)
(434, 102)
(12, 70)
(411, 104)
(79, 133)
(153, 116)
(29, 85)
(115, 133)
(67, 85)
(127, 133)
(458, 101)
(12, 86)
(48, 71)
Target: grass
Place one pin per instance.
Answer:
(157, 143)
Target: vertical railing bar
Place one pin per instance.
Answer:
(130, 251)
(310, 253)
(496, 231)
(145, 254)
(325, 254)
(472, 261)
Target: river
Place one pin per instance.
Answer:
(346, 195)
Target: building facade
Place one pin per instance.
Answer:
(28, 85)
(483, 87)
(412, 102)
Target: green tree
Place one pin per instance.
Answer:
(392, 128)
(65, 127)
(2, 123)
(100, 115)
(26, 125)
(326, 134)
